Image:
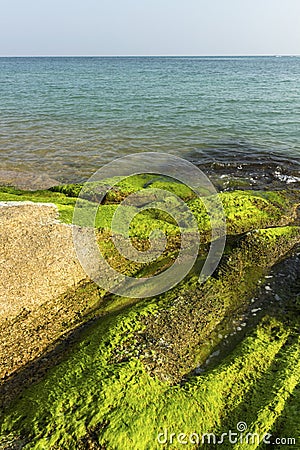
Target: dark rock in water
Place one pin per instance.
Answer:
(26, 180)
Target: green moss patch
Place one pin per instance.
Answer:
(121, 406)
(129, 375)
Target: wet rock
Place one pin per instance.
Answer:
(26, 180)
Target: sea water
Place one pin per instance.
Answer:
(67, 116)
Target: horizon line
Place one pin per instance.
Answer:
(152, 55)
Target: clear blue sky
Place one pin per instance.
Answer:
(149, 27)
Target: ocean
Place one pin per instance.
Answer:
(67, 116)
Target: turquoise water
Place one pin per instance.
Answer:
(67, 116)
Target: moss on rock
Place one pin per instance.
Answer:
(129, 374)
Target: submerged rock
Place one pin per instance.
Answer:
(26, 180)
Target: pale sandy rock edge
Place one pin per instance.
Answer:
(37, 257)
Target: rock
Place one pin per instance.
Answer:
(26, 180)
(40, 261)
(199, 370)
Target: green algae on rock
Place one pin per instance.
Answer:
(129, 373)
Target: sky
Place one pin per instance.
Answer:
(149, 27)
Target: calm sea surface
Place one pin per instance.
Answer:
(65, 117)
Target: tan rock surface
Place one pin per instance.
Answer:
(37, 258)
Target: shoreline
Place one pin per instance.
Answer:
(256, 172)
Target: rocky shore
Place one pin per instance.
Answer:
(83, 368)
